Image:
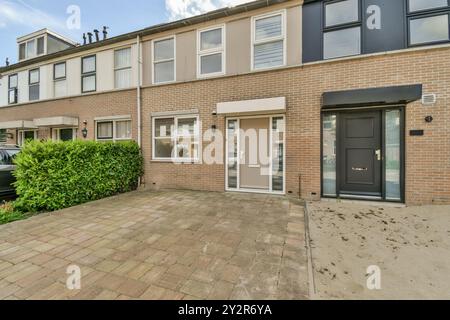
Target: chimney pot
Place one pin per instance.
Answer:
(97, 38)
(90, 37)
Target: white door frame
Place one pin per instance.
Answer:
(239, 189)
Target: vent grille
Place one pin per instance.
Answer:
(429, 99)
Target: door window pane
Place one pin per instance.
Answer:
(418, 5)
(269, 55)
(164, 71)
(430, 29)
(211, 39)
(342, 43)
(123, 130)
(232, 154)
(211, 63)
(105, 130)
(278, 132)
(393, 155)
(329, 155)
(342, 12)
(268, 27)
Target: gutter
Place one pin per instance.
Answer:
(138, 97)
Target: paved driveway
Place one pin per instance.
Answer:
(163, 245)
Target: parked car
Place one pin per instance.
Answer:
(7, 167)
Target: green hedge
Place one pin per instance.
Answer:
(54, 175)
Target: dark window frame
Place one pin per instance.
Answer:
(34, 84)
(112, 131)
(16, 90)
(427, 13)
(89, 74)
(65, 71)
(342, 26)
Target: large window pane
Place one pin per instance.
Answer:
(123, 130)
(31, 49)
(122, 58)
(123, 78)
(268, 55)
(34, 92)
(418, 5)
(430, 29)
(164, 127)
(89, 64)
(268, 27)
(34, 76)
(329, 155)
(105, 130)
(163, 148)
(211, 63)
(89, 83)
(187, 126)
(164, 71)
(342, 43)
(13, 81)
(393, 155)
(211, 39)
(164, 50)
(342, 12)
(60, 71)
(278, 132)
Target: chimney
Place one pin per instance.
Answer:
(97, 38)
(105, 32)
(7, 62)
(84, 39)
(90, 37)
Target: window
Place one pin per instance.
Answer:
(164, 61)
(33, 85)
(88, 74)
(419, 5)
(25, 136)
(329, 155)
(211, 52)
(32, 48)
(268, 48)
(122, 68)
(176, 138)
(64, 134)
(3, 136)
(59, 78)
(13, 93)
(113, 130)
(342, 29)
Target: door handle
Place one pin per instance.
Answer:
(378, 154)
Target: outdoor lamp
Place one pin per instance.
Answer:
(84, 132)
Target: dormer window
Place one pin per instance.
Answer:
(31, 48)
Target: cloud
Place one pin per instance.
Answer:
(21, 13)
(180, 9)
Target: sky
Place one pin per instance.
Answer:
(21, 17)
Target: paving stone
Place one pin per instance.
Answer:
(197, 289)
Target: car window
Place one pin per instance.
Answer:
(4, 158)
(7, 157)
(12, 154)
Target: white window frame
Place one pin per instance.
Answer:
(56, 133)
(34, 84)
(114, 129)
(174, 37)
(21, 136)
(208, 52)
(35, 48)
(124, 68)
(283, 37)
(174, 137)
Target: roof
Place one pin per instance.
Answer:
(213, 15)
(45, 31)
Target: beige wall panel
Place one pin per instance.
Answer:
(186, 56)
(238, 46)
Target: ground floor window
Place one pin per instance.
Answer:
(329, 155)
(26, 135)
(3, 136)
(64, 134)
(176, 138)
(113, 130)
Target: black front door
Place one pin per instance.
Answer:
(360, 154)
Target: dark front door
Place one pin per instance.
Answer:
(360, 154)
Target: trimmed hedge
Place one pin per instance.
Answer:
(55, 175)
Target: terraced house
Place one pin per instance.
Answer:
(353, 95)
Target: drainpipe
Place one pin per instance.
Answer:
(138, 94)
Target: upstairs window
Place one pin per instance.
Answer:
(211, 52)
(33, 84)
(269, 41)
(122, 68)
(342, 29)
(32, 48)
(13, 93)
(428, 22)
(88, 74)
(164, 61)
(60, 79)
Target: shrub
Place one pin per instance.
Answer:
(55, 175)
(8, 213)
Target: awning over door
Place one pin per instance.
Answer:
(260, 106)
(56, 122)
(19, 124)
(372, 97)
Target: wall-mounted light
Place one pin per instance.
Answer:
(429, 119)
(84, 132)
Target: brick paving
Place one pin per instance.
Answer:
(160, 245)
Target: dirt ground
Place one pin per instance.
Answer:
(411, 246)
